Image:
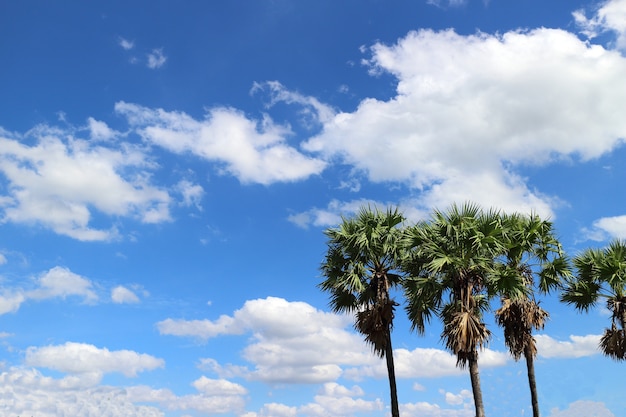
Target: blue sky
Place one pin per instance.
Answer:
(167, 170)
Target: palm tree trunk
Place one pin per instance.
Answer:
(530, 365)
(391, 372)
(476, 390)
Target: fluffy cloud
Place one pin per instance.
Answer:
(583, 409)
(122, 295)
(577, 347)
(214, 397)
(292, 341)
(28, 392)
(56, 180)
(253, 151)
(471, 110)
(331, 400)
(613, 226)
(80, 358)
(295, 343)
(61, 282)
(425, 363)
(58, 282)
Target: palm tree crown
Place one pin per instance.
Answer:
(601, 273)
(360, 268)
(530, 249)
(453, 274)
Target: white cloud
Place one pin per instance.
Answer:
(192, 193)
(10, 302)
(219, 387)
(331, 400)
(471, 110)
(227, 398)
(293, 342)
(331, 215)
(253, 151)
(122, 295)
(58, 282)
(99, 130)
(583, 409)
(81, 358)
(126, 44)
(577, 347)
(610, 16)
(458, 399)
(313, 111)
(156, 59)
(61, 282)
(426, 363)
(27, 392)
(58, 180)
(613, 226)
(445, 3)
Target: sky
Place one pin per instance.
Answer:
(167, 170)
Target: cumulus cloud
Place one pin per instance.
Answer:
(608, 226)
(58, 282)
(61, 282)
(471, 111)
(293, 342)
(122, 295)
(100, 130)
(81, 358)
(576, 347)
(27, 392)
(214, 397)
(156, 59)
(331, 400)
(253, 151)
(55, 180)
(583, 409)
(425, 363)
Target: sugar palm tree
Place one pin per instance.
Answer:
(452, 273)
(360, 268)
(531, 250)
(601, 273)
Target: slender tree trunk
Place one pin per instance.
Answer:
(391, 371)
(476, 390)
(530, 365)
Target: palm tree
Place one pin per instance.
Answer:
(452, 268)
(531, 249)
(601, 273)
(360, 268)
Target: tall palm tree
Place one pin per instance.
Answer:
(601, 273)
(531, 249)
(452, 268)
(360, 268)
